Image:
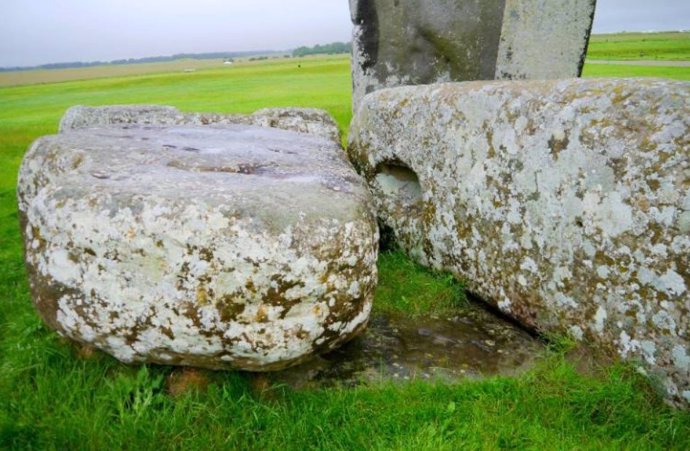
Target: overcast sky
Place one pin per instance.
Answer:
(36, 32)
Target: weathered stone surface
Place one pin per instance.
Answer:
(563, 203)
(412, 42)
(219, 247)
(304, 120)
(473, 343)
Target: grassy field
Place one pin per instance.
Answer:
(38, 76)
(183, 66)
(602, 70)
(669, 46)
(674, 46)
(54, 396)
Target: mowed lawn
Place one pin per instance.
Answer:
(54, 396)
(668, 46)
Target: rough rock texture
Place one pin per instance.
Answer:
(564, 203)
(473, 343)
(412, 42)
(219, 247)
(303, 120)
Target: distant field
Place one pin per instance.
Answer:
(604, 70)
(186, 66)
(670, 46)
(29, 77)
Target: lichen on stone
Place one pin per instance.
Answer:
(228, 246)
(562, 202)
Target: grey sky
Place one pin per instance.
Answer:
(45, 31)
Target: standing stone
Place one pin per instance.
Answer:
(566, 204)
(412, 42)
(231, 246)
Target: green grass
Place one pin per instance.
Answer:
(63, 403)
(51, 398)
(605, 70)
(670, 46)
(406, 287)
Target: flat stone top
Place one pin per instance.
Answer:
(276, 175)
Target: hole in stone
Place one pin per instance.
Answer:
(399, 185)
(386, 237)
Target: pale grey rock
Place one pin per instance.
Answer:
(544, 39)
(303, 120)
(563, 203)
(227, 246)
(412, 42)
(78, 117)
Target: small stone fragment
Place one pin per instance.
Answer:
(185, 380)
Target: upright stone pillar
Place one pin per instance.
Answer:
(412, 42)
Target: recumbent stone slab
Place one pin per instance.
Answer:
(220, 247)
(564, 203)
(303, 120)
(413, 42)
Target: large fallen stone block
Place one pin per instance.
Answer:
(303, 120)
(566, 204)
(413, 42)
(219, 247)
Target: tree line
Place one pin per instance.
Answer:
(328, 49)
(153, 59)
